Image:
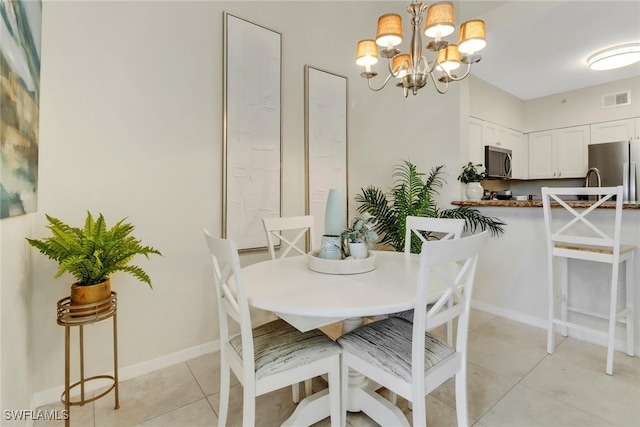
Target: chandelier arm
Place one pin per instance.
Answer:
(381, 87)
(435, 84)
(456, 79)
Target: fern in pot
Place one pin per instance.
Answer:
(359, 235)
(91, 254)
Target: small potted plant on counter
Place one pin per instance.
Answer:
(91, 254)
(359, 235)
(472, 175)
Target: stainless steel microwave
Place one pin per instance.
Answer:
(498, 162)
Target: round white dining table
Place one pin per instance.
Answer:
(308, 299)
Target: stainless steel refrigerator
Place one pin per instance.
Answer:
(619, 164)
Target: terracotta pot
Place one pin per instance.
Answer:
(90, 294)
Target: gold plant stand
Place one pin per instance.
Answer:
(81, 315)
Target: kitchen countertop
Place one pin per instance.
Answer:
(538, 204)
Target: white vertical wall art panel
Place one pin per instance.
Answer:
(252, 130)
(325, 140)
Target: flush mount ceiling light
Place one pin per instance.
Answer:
(412, 69)
(615, 57)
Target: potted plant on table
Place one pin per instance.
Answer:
(359, 235)
(472, 175)
(91, 254)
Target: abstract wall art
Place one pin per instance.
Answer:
(252, 130)
(20, 29)
(325, 140)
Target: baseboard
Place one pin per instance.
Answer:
(542, 324)
(128, 372)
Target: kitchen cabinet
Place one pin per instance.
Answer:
(495, 135)
(476, 149)
(520, 150)
(615, 130)
(559, 153)
(483, 133)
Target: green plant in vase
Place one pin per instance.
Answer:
(359, 235)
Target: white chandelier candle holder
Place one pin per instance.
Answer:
(413, 70)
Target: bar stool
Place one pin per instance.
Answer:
(575, 236)
(81, 315)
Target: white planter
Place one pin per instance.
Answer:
(358, 250)
(474, 191)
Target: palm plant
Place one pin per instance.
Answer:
(411, 196)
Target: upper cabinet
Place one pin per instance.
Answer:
(483, 133)
(559, 153)
(617, 130)
(495, 135)
(519, 148)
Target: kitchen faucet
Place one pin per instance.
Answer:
(598, 178)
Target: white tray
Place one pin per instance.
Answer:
(342, 266)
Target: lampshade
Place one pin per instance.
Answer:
(449, 58)
(389, 30)
(401, 63)
(440, 21)
(615, 57)
(472, 36)
(366, 53)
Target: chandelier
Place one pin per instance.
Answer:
(412, 69)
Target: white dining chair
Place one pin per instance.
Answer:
(400, 355)
(421, 229)
(270, 356)
(302, 226)
(572, 234)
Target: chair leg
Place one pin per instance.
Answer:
(418, 407)
(307, 387)
(461, 397)
(224, 392)
(295, 392)
(630, 305)
(335, 399)
(564, 301)
(344, 389)
(552, 308)
(612, 317)
(249, 405)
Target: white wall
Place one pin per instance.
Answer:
(490, 103)
(131, 126)
(16, 326)
(581, 107)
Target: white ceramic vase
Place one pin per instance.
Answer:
(358, 250)
(335, 214)
(474, 191)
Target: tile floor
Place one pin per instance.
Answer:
(512, 382)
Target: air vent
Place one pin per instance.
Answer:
(616, 100)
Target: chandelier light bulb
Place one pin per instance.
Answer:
(440, 21)
(615, 57)
(473, 36)
(366, 53)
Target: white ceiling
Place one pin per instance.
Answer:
(539, 48)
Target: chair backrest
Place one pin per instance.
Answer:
(275, 226)
(576, 230)
(436, 260)
(422, 228)
(231, 297)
